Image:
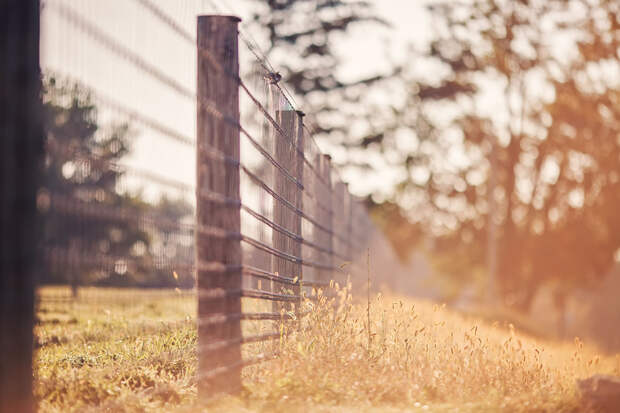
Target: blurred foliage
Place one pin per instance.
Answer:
(557, 157)
(557, 164)
(403, 235)
(77, 174)
(89, 215)
(303, 37)
(140, 356)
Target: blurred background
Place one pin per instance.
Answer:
(484, 137)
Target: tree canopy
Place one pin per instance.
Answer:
(302, 37)
(525, 101)
(96, 232)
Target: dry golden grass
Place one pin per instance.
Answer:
(419, 357)
(115, 351)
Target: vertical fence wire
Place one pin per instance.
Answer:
(118, 197)
(149, 210)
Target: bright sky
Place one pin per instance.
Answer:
(71, 45)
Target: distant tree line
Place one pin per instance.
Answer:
(549, 146)
(548, 153)
(96, 233)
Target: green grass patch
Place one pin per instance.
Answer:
(135, 351)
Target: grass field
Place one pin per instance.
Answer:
(135, 351)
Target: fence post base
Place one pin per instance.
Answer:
(218, 259)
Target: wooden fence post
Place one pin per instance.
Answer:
(357, 251)
(348, 211)
(288, 152)
(326, 217)
(218, 259)
(299, 169)
(339, 220)
(21, 143)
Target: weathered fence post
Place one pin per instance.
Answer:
(326, 216)
(21, 142)
(339, 219)
(348, 213)
(357, 251)
(218, 258)
(299, 169)
(288, 152)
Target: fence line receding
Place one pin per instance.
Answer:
(182, 185)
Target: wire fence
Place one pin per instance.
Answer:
(180, 180)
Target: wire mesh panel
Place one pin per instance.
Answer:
(119, 120)
(184, 197)
(117, 289)
(296, 218)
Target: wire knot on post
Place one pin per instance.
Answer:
(273, 77)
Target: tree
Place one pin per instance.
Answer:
(390, 217)
(96, 233)
(171, 248)
(301, 35)
(549, 141)
(80, 192)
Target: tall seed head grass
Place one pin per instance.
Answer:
(421, 354)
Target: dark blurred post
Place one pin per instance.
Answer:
(21, 137)
(289, 154)
(218, 259)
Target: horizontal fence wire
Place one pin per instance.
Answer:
(107, 42)
(148, 68)
(219, 371)
(216, 319)
(292, 207)
(219, 293)
(110, 103)
(120, 225)
(280, 131)
(128, 55)
(290, 234)
(219, 345)
(105, 164)
(282, 278)
(167, 20)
